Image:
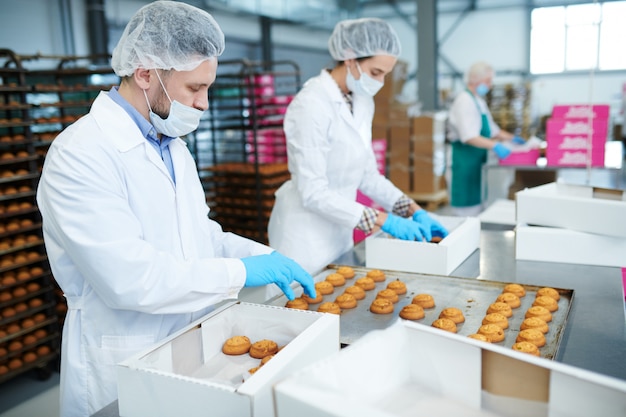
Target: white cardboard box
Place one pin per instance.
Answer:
(385, 252)
(575, 207)
(411, 369)
(187, 373)
(550, 244)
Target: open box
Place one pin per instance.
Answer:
(187, 373)
(385, 252)
(551, 244)
(576, 207)
(410, 369)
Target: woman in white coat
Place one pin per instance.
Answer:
(328, 127)
(125, 220)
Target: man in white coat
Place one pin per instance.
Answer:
(125, 221)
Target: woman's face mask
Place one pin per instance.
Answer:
(181, 119)
(365, 85)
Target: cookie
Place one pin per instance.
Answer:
(424, 300)
(346, 301)
(412, 312)
(493, 332)
(376, 275)
(515, 289)
(388, 294)
(509, 298)
(534, 336)
(236, 345)
(263, 348)
(324, 288)
(366, 283)
(346, 271)
(453, 314)
(329, 307)
(496, 318)
(356, 291)
(298, 304)
(445, 324)
(398, 286)
(337, 280)
(381, 306)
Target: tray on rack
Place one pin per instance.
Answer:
(471, 296)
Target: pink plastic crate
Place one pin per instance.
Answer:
(558, 128)
(521, 158)
(574, 158)
(581, 111)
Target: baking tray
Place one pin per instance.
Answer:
(471, 296)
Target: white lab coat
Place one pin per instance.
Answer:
(330, 158)
(135, 254)
(464, 122)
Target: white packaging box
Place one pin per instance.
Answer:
(411, 369)
(385, 252)
(187, 373)
(550, 244)
(575, 207)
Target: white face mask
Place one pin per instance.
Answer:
(365, 85)
(181, 120)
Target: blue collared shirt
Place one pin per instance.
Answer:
(147, 130)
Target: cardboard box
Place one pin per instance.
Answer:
(550, 244)
(412, 369)
(385, 252)
(187, 374)
(581, 111)
(575, 207)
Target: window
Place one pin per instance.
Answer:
(580, 37)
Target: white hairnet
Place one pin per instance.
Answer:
(167, 35)
(360, 38)
(478, 72)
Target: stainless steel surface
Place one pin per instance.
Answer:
(473, 297)
(595, 333)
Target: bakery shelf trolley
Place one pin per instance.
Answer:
(39, 96)
(240, 146)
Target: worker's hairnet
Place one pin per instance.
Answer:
(167, 35)
(360, 38)
(479, 71)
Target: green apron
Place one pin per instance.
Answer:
(467, 162)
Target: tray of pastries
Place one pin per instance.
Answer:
(527, 318)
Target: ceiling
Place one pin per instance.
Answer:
(324, 14)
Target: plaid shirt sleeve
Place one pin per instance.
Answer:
(401, 207)
(368, 220)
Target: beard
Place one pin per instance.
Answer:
(161, 105)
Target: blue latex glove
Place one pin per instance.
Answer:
(518, 140)
(433, 226)
(501, 150)
(277, 269)
(404, 229)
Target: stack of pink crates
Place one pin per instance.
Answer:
(577, 134)
(269, 112)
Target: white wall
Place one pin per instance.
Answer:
(498, 36)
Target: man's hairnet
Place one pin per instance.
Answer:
(360, 38)
(167, 35)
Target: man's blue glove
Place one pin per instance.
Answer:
(518, 140)
(433, 226)
(277, 269)
(501, 150)
(404, 229)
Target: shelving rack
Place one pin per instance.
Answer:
(240, 146)
(35, 105)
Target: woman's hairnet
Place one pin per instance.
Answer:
(167, 35)
(359, 38)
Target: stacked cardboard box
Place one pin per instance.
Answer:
(576, 135)
(510, 107)
(417, 154)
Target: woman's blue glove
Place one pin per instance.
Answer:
(277, 269)
(501, 150)
(404, 229)
(518, 140)
(433, 226)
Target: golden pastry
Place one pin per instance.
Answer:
(424, 300)
(412, 312)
